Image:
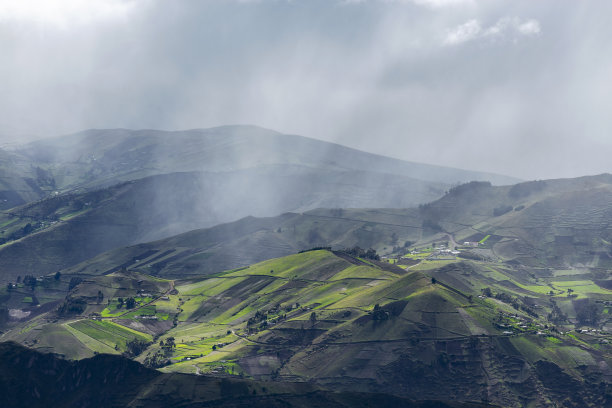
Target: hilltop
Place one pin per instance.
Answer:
(106, 156)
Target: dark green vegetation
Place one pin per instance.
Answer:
(68, 199)
(30, 379)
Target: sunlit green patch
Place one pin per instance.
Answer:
(109, 333)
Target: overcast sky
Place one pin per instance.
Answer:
(522, 88)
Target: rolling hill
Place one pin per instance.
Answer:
(113, 381)
(545, 224)
(341, 322)
(108, 156)
(80, 195)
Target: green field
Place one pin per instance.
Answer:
(108, 333)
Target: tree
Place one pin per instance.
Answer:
(379, 314)
(135, 347)
(9, 286)
(130, 303)
(487, 292)
(313, 318)
(433, 280)
(57, 275)
(100, 296)
(168, 345)
(119, 303)
(170, 342)
(570, 291)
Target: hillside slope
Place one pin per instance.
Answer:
(553, 223)
(112, 381)
(558, 223)
(61, 231)
(107, 156)
(344, 323)
(111, 188)
(21, 181)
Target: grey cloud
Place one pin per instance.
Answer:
(527, 95)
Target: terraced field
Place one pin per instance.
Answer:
(346, 322)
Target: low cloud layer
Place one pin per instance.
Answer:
(515, 87)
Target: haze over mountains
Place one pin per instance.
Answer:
(126, 187)
(240, 252)
(556, 223)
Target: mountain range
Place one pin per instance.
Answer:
(158, 260)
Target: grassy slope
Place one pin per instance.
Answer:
(422, 325)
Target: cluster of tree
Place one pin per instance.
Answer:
(501, 210)
(379, 314)
(129, 303)
(429, 224)
(358, 252)
(399, 248)
(290, 307)
(217, 346)
(72, 306)
(469, 187)
(526, 189)
(156, 360)
(261, 318)
(167, 346)
(30, 281)
(135, 347)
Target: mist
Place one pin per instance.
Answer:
(512, 87)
